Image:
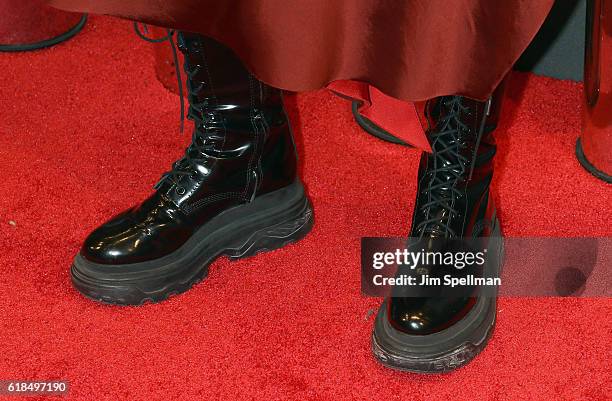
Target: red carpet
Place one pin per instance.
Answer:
(86, 130)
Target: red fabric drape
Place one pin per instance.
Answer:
(405, 50)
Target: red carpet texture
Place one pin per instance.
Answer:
(86, 130)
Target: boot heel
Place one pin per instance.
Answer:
(275, 236)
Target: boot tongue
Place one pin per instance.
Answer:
(441, 196)
(447, 165)
(191, 162)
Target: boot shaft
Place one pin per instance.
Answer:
(241, 145)
(218, 81)
(474, 122)
(453, 193)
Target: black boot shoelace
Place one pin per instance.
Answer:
(447, 167)
(205, 120)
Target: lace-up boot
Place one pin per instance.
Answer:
(234, 192)
(440, 333)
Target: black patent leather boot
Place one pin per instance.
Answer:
(442, 333)
(235, 191)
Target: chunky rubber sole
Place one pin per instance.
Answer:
(444, 351)
(269, 222)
